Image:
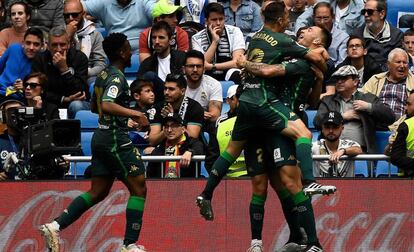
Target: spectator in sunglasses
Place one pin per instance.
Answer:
(379, 35)
(19, 14)
(84, 37)
(35, 85)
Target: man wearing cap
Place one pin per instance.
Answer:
(363, 113)
(130, 17)
(9, 139)
(176, 143)
(336, 147)
(163, 11)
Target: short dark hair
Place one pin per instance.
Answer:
(27, 9)
(382, 6)
(177, 78)
(194, 54)
(351, 37)
(324, 4)
(43, 80)
(138, 84)
(214, 7)
(326, 37)
(273, 11)
(162, 25)
(35, 32)
(409, 32)
(112, 44)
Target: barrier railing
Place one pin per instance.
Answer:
(199, 158)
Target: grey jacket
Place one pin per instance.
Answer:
(380, 117)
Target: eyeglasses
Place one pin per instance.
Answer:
(369, 12)
(32, 85)
(193, 66)
(354, 46)
(73, 14)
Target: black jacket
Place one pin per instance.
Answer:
(67, 84)
(150, 64)
(380, 117)
(196, 147)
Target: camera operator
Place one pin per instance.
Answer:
(8, 140)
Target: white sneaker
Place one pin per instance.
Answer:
(133, 248)
(256, 246)
(51, 235)
(316, 188)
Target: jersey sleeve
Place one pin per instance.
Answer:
(296, 67)
(113, 89)
(216, 92)
(154, 113)
(195, 115)
(238, 40)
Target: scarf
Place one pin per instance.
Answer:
(172, 168)
(83, 37)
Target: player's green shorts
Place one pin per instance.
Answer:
(113, 154)
(273, 116)
(270, 152)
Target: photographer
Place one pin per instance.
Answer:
(8, 140)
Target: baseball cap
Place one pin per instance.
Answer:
(344, 71)
(9, 99)
(172, 117)
(333, 117)
(162, 7)
(232, 91)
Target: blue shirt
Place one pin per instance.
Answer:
(14, 65)
(130, 20)
(247, 17)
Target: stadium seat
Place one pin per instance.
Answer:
(133, 69)
(89, 120)
(91, 86)
(315, 136)
(382, 169)
(382, 140)
(225, 86)
(225, 108)
(103, 31)
(311, 115)
(396, 7)
(86, 138)
(361, 168)
(137, 139)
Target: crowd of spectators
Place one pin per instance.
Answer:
(51, 52)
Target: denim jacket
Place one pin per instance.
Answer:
(350, 21)
(247, 17)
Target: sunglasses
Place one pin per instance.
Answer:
(32, 85)
(73, 15)
(369, 12)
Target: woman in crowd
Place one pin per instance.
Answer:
(19, 14)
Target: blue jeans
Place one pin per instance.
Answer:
(77, 105)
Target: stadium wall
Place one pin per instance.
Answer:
(364, 215)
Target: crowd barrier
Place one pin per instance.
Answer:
(369, 215)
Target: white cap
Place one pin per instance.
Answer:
(232, 91)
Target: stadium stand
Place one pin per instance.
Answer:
(225, 86)
(89, 120)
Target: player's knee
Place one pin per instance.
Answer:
(140, 191)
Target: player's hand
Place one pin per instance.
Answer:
(59, 61)
(185, 159)
(38, 101)
(241, 61)
(350, 114)
(318, 73)
(214, 33)
(18, 84)
(3, 176)
(141, 119)
(360, 105)
(167, 109)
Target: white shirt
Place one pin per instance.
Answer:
(209, 90)
(344, 168)
(164, 67)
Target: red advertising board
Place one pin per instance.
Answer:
(364, 215)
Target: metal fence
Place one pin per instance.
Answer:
(200, 158)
